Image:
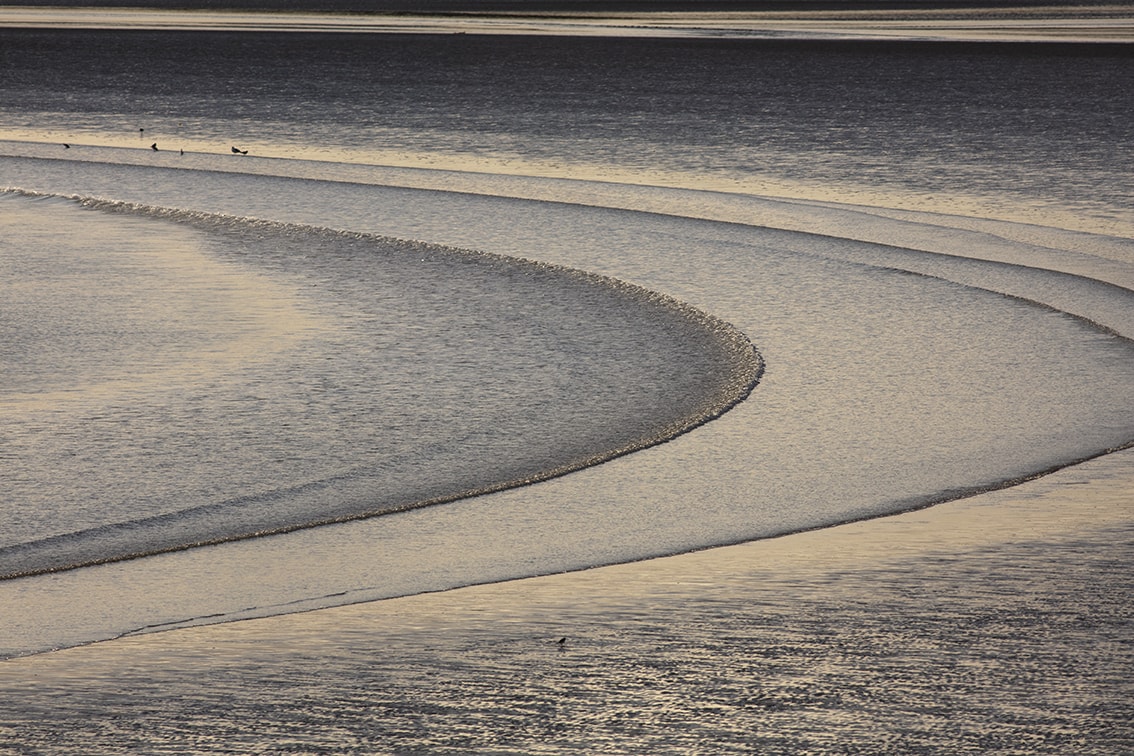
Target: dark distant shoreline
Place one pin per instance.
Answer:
(544, 6)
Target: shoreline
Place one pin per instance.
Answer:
(1104, 24)
(366, 562)
(728, 362)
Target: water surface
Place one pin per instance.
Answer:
(296, 332)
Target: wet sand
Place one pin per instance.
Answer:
(996, 624)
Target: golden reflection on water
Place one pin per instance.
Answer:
(997, 624)
(450, 170)
(208, 318)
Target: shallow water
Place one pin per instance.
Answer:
(1003, 126)
(996, 624)
(894, 378)
(383, 375)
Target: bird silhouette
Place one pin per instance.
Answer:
(238, 151)
(154, 147)
(66, 146)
